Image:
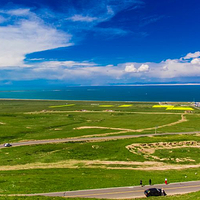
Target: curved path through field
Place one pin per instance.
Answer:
(124, 130)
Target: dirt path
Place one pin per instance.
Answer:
(123, 130)
(129, 165)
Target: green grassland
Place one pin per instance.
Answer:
(113, 150)
(35, 120)
(26, 126)
(13, 106)
(53, 180)
(193, 124)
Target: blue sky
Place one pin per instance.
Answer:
(104, 42)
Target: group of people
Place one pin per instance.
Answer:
(151, 183)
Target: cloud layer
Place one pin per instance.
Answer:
(26, 33)
(95, 74)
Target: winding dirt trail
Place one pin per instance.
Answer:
(124, 130)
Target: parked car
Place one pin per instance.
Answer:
(7, 145)
(154, 192)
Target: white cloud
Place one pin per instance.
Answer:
(130, 68)
(19, 12)
(165, 68)
(27, 35)
(196, 61)
(57, 65)
(143, 68)
(192, 55)
(81, 18)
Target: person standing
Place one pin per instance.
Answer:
(166, 181)
(141, 182)
(149, 181)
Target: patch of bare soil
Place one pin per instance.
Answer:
(147, 149)
(129, 165)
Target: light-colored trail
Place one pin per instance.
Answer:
(124, 130)
(119, 165)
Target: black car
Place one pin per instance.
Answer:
(7, 145)
(154, 192)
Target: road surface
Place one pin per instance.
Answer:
(15, 144)
(127, 192)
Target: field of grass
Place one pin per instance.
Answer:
(13, 106)
(22, 126)
(53, 180)
(192, 124)
(113, 150)
(36, 120)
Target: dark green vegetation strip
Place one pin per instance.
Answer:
(53, 180)
(106, 150)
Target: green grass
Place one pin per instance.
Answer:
(13, 106)
(180, 153)
(106, 150)
(20, 126)
(193, 124)
(53, 180)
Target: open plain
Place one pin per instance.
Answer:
(101, 162)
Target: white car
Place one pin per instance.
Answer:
(7, 145)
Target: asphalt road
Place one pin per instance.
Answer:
(15, 144)
(127, 192)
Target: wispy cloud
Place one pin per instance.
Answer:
(81, 18)
(98, 12)
(27, 34)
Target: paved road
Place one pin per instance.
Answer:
(127, 192)
(15, 144)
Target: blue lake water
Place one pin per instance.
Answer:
(185, 93)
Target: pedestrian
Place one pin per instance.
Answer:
(149, 181)
(166, 181)
(141, 182)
